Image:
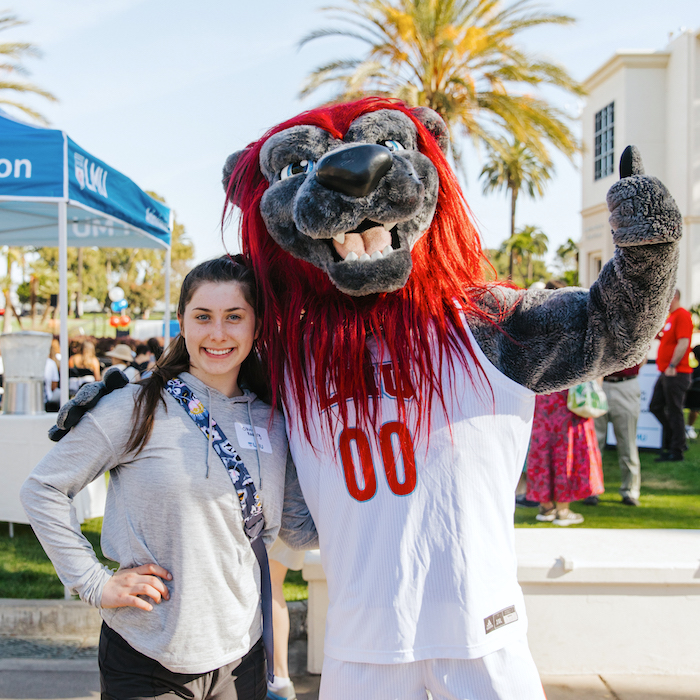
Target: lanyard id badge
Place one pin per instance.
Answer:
(251, 508)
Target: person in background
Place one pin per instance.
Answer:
(624, 394)
(672, 360)
(692, 396)
(155, 348)
(282, 558)
(143, 358)
(52, 377)
(86, 359)
(563, 464)
(125, 357)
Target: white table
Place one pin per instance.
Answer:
(23, 443)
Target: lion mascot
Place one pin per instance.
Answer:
(409, 381)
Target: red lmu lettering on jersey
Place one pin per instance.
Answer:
(379, 377)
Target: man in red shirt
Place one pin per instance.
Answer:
(672, 361)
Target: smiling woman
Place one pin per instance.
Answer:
(218, 339)
(188, 534)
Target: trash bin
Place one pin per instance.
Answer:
(24, 357)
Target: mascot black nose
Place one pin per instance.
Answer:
(354, 171)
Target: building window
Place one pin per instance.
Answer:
(604, 141)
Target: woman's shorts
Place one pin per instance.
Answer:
(127, 673)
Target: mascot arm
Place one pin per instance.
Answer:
(556, 338)
(87, 397)
(297, 530)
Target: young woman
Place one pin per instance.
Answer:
(86, 359)
(182, 613)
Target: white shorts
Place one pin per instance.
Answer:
(506, 674)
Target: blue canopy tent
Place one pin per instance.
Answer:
(54, 193)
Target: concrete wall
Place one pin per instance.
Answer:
(598, 601)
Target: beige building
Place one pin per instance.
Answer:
(650, 99)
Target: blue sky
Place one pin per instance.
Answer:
(165, 90)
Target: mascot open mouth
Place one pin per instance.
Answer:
(352, 207)
(369, 241)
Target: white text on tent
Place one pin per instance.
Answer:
(6, 167)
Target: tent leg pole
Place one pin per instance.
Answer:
(166, 315)
(63, 295)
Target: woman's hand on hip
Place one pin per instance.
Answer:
(124, 588)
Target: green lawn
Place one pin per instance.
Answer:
(26, 572)
(670, 496)
(670, 499)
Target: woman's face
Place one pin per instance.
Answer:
(219, 327)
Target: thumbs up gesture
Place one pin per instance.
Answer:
(642, 211)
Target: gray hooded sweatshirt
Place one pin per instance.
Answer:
(174, 505)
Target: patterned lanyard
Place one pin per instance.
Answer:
(253, 519)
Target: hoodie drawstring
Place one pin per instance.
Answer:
(257, 446)
(210, 441)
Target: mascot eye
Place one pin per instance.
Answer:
(394, 146)
(298, 168)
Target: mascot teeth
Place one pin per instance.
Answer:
(368, 244)
(351, 256)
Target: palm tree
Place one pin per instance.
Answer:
(531, 242)
(457, 57)
(514, 167)
(567, 259)
(11, 54)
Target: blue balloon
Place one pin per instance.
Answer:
(117, 306)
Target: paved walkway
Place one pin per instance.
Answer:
(66, 669)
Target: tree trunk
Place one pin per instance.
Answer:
(529, 268)
(32, 299)
(513, 199)
(45, 315)
(7, 318)
(9, 312)
(79, 290)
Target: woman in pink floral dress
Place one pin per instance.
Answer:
(564, 462)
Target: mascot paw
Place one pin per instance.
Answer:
(642, 210)
(87, 398)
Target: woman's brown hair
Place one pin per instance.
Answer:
(176, 359)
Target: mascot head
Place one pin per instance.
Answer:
(351, 189)
(356, 226)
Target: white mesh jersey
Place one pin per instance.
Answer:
(416, 532)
